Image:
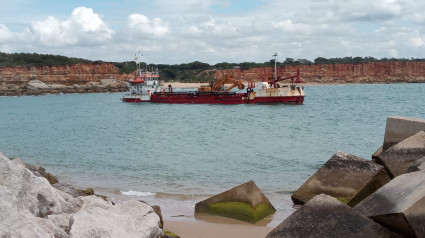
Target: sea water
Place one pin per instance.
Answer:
(178, 154)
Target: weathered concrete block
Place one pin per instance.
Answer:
(399, 205)
(399, 128)
(401, 156)
(418, 165)
(245, 202)
(325, 216)
(345, 177)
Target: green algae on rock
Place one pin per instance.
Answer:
(245, 202)
(241, 211)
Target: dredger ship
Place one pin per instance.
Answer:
(146, 88)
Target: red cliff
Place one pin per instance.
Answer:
(375, 72)
(67, 78)
(66, 75)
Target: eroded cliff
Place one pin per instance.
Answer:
(67, 79)
(374, 72)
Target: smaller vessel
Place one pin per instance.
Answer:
(142, 86)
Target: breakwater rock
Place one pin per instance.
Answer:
(336, 220)
(78, 78)
(245, 202)
(385, 208)
(346, 177)
(31, 207)
(374, 72)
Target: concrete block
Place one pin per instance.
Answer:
(399, 157)
(325, 216)
(345, 177)
(245, 202)
(399, 128)
(399, 205)
(418, 165)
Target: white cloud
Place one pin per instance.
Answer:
(83, 27)
(5, 34)
(393, 53)
(141, 24)
(170, 31)
(417, 42)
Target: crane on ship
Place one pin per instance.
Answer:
(227, 79)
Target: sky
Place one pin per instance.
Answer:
(213, 31)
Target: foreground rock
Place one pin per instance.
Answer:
(31, 207)
(399, 205)
(401, 156)
(399, 128)
(345, 177)
(245, 202)
(324, 216)
(126, 219)
(418, 165)
(38, 171)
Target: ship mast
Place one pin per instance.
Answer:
(275, 69)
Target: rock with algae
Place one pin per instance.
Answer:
(245, 202)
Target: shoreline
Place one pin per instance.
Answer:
(179, 217)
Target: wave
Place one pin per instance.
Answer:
(137, 193)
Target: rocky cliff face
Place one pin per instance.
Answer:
(375, 72)
(53, 79)
(65, 75)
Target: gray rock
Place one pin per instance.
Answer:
(38, 171)
(402, 155)
(345, 177)
(31, 207)
(245, 202)
(399, 205)
(122, 220)
(325, 216)
(399, 128)
(67, 188)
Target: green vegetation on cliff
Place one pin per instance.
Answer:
(29, 60)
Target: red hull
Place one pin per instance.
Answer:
(219, 98)
(199, 98)
(133, 100)
(283, 99)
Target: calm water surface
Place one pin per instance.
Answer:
(192, 151)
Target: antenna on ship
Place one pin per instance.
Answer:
(275, 69)
(137, 57)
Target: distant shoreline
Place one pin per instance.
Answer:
(62, 89)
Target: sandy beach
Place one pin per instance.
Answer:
(216, 227)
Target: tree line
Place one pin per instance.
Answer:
(187, 72)
(28, 59)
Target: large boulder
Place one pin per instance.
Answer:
(325, 216)
(346, 177)
(245, 202)
(399, 205)
(402, 155)
(126, 219)
(31, 207)
(399, 128)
